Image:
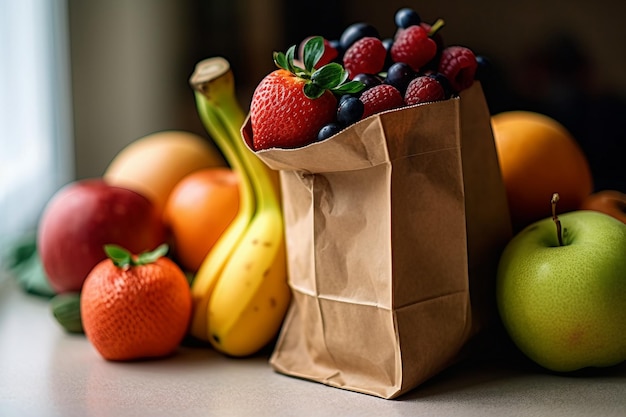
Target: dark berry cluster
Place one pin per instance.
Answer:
(414, 66)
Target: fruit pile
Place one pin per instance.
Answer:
(219, 213)
(560, 282)
(332, 84)
(138, 204)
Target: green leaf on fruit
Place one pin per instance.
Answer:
(312, 53)
(313, 91)
(122, 258)
(331, 76)
(280, 59)
(150, 257)
(350, 87)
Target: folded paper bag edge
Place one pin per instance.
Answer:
(321, 156)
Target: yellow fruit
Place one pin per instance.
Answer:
(539, 157)
(154, 164)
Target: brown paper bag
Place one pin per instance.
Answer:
(394, 228)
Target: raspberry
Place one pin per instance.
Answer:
(365, 56)
(458, 64)
(438, 38)
(445, 84)
(413, 46)
(423, 89)
(380, 98)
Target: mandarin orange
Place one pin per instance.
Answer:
(198, 210)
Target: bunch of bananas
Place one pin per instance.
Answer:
(240, 292)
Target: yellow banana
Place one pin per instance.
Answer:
(252, 296)
(209, 272)
(248, 300)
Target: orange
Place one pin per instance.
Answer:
(198, 210)
(538, 157)
(136, 310)
(611, 202)
(152, 165)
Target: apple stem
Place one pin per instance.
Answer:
(559, 234)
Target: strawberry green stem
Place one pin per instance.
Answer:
(331, 76)
(555, 218)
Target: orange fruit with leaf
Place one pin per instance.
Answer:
(135, 306)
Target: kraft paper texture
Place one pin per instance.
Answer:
(394, 228)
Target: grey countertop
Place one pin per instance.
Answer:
(47, 372)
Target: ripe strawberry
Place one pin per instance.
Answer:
(291, 104)
(423, 89)
(459, 65)
(365, 56)
(283, 116)
(413, 46)
(380, 98)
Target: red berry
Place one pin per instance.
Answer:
(459, 65)
(380, 98)
(298, 118)
(365, 56)
(423, 89)
(413, 46)
(437, 37)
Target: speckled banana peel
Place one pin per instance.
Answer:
(211, 268)
(242, 290)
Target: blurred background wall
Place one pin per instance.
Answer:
(131, 60)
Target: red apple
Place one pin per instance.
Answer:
(85, 215)
(609, 202)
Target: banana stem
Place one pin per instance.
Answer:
(214, 82)
(221, 135)
(217, 130)
(257, 171)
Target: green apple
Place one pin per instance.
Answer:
(564, 305)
